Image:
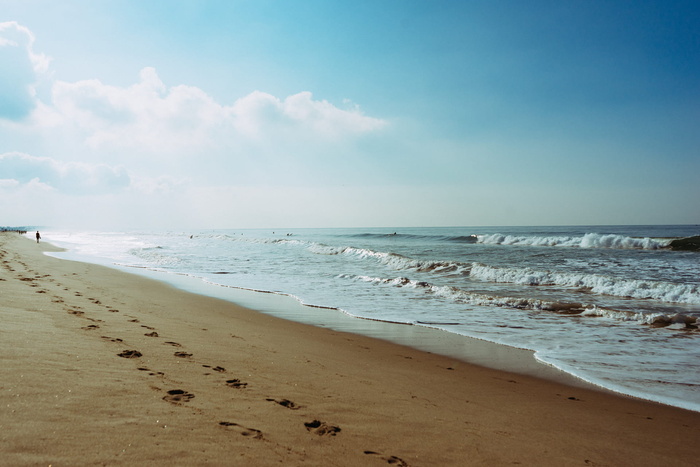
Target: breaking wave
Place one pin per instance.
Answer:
(458, 295)
(598, 284)
(392, 260)
(589, 240)
(156, 255)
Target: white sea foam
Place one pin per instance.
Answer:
(392, 260)
(657, 319)
(457, 295)
(600, 284)
(157, 256)
(589, 240)
(461, 296)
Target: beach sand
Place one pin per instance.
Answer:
(101, 367)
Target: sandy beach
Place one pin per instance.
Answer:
(101, 367)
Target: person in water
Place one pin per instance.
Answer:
(38, 237)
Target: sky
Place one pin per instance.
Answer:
(179, 114)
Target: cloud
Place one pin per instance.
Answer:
(151, 116)
(259, 113)
(19, 70)
(176, 141)
(19, 170)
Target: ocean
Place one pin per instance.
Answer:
(611, 305)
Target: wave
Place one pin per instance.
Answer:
(462, 296)
(447, 238)
(589, 240)
(653, 319)
(600, 284)
(458, 295)
(157, 255)
(593, 283)
(392, 260)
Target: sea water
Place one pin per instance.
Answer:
(612, 305)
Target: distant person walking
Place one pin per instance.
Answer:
(38, 237)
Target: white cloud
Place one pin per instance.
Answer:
(14, 34)
(149, 116)
(20, 67)
(8, 183)
(259, 113)
(177, 142)
(18, 169)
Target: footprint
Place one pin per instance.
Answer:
(90, 327)
(178, 396)
(236, 383)
(130, 354)
(151, 334)
(151, 372)
(322, 428)
(285, 403)
(147, 327)
(252, 432)
(393, 460)
(112, 339)
(183, 354)
(220, 369)
(174, 344)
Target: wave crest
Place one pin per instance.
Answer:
(589, 240)
(532, 304)
(600, 284)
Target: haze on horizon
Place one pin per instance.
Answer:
(328, 113)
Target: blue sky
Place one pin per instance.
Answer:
(233, 114)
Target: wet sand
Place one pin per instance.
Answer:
(101, 367)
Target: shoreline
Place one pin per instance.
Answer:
(468, 349)
(216, 383)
